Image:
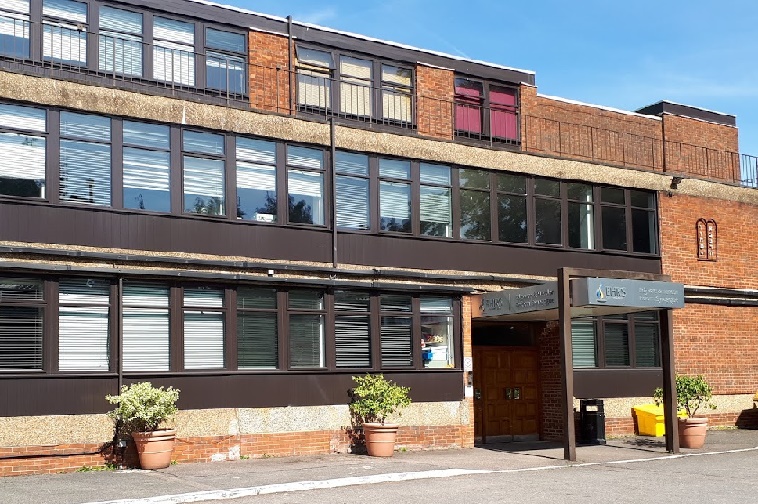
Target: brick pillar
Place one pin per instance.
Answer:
(467, 431)
(527, 107)
(269, 77)
(550, 381)
(434, 92)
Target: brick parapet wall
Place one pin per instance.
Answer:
(269, 77)
(434, 109)
(701, 148)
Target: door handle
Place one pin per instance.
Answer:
(508, 393)
(477, 394)
(517, 393)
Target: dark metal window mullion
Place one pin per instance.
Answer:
(597, 210)
(376, 331)
(415, 184)
(531, 212)
(628, 218)
(115, 310)
(53, 156)
(330, 345)
(50, 326)
(176, 178)
(117, 163)
(632, 341)
(176, 328)
(35, 30)
(200, 56)
(93, 37)
(375, 91)
(147, 45)
(455, 194)
(563, 199)
(416, 333)
(230, 175)
(282, 191)
(494, 209)
(230, 329)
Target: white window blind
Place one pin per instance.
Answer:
(355, 86)
(145, 328)
(65, 9)
(120, 47)
(14, 28)
(313, 78)
(144, 169)
(306, 341)
(436, 305)
(305, 183)
(20, 6)
(583, 344)
(23, 118)
(203, 329)
(173, 51)
(352, 202)
(250, 176)
(305, 157)
(394, 168)
(226, 41)
(65, 40)
(85, 172)
(435, 206)
(83, 325)
(203, 178)
(397, 88)
(22, 157)
(352, 329)
(396, 341)
(395, 200)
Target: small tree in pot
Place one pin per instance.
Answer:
(692, 393)
(374, 399)
(141, 409)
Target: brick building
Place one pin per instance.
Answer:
(379, 191)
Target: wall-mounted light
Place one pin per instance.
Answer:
(675, 181)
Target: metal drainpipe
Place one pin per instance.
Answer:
(332, 165)
(290, 50)
(120, 333)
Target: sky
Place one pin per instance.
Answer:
(606, 52)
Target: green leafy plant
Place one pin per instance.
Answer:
(142, 408)
(375, 398)
(692, 393)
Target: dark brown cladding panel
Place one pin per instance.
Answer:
(599, 383)
(64, 395)
(104, 228)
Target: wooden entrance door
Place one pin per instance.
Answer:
(506, 393)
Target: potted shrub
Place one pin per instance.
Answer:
(141, 409)
(374, 399)
(692, 393)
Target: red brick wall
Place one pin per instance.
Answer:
(269, 77)
(568, 130)
(550, 381)
(737, 245)
(701, 148)
(467, 431)
(434, 89)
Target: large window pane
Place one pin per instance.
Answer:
(22, 165)
(203, 329)
(396, 341)
(225, 41)
(14, 28)
(583, 346)
(204, 191)
(437, 332)
(63, 40)
(85, 172)
(355, 86)
(305, 193)
(469, 101)
(352, 202)
(145, 327)
(395, 207)
(647, 345)
(173, 56)
(352, 329)
(511, 215)
(224, 72)
(397, 94)
(581, 227)
(616, 344)
(306, 341)
(21, 324)
(614, 228)
(474, 179)
(120, 48)
(548, 222)
(147, 172)
(314, 87)
(436, 213)
(644, 231)
(83, 329)
(256, 180)
(257, 343)
(475, 215)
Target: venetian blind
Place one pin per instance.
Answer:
(352, 329)
(396, 94)
(83, 328)
(306, 335)
(21, 324)
(173, 51)
(203, 329)
(355, 86)
(145, 328)
(120, 47)
(583, 344)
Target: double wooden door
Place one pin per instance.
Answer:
(506, 393)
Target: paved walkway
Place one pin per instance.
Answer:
(232, 479)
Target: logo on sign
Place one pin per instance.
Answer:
(600, 294)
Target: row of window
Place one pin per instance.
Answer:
(617, 341)
(133, 44)
(169, 327)
(99, 158)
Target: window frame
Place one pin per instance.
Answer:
(628, 322)
(485, 106)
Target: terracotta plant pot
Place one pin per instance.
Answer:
(380, 439)
(155, 448)
(692, 432)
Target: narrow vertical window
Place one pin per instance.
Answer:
(352, 190)
(647, 341)
(314, 85)
(397, 94)
(257, 331)
(306, 329)
(14, 28)
(22, 151)
(511, 208)
(85, 159)
(173, 51)
(503, 114)
(644, 230)
(614, 218)
(616, 339)
(352, 329)
(435, 201)
(583, 343)
(145, 327)
(469, 105)
(395, 195)
(437, 332)
(305, 185)
(120, 47)
(225, 61)
(396, 330)
(83, 328)
(203, 328)
(476, 219)
(64, 32)
(547, 205)
(355, 87)
(147, 164)
(204, 190)
(256, 180)
(22, 308)
(581, 223)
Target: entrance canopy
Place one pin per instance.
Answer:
(589, 297)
